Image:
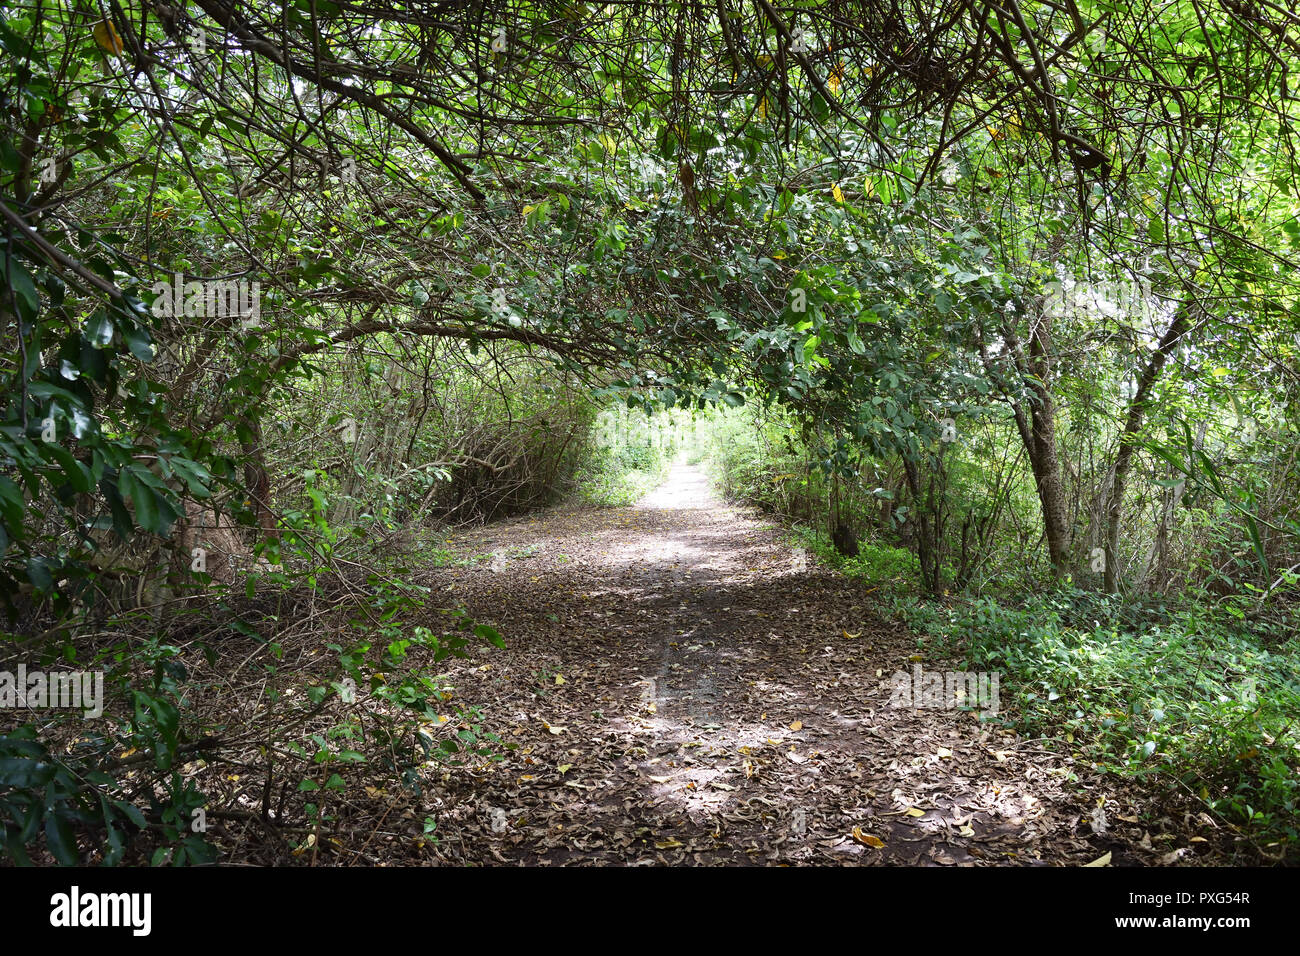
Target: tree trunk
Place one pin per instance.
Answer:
(926, 552)
(257, 480)
(1038, 432)
(1128, 439)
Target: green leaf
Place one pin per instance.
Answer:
(19, 279)
(60, 839)
(78, 475)
(139, 342)
(489, 634)
(25, 773)
(1253, 529)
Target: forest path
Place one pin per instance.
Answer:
(679, 689)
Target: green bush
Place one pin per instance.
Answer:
(1181, 697)
(878, 566)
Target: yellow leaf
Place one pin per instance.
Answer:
(668, 844)
(106, 36)
(967, 830)
(867, 839)
(797, 725)
(1103, 860)
(838, 193)
(559, 678)
(914, 812)
(851, 636)
(564, 767)
(945, 752)
(527, 210)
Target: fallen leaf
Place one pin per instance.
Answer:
(797, 725)
(867, 839)
(1103, 860)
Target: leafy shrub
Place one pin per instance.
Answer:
(1180, 696)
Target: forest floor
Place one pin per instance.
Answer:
(678, 690)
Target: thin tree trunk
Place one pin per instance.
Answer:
(1128, 439)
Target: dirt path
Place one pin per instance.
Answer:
(678, 689)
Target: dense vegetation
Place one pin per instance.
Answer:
(290, 289)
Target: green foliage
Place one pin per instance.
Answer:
(629, 457)
(83, 800)
(392, 694)
(1184, 697)
(878, 567)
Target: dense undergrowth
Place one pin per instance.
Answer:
(630, 458)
